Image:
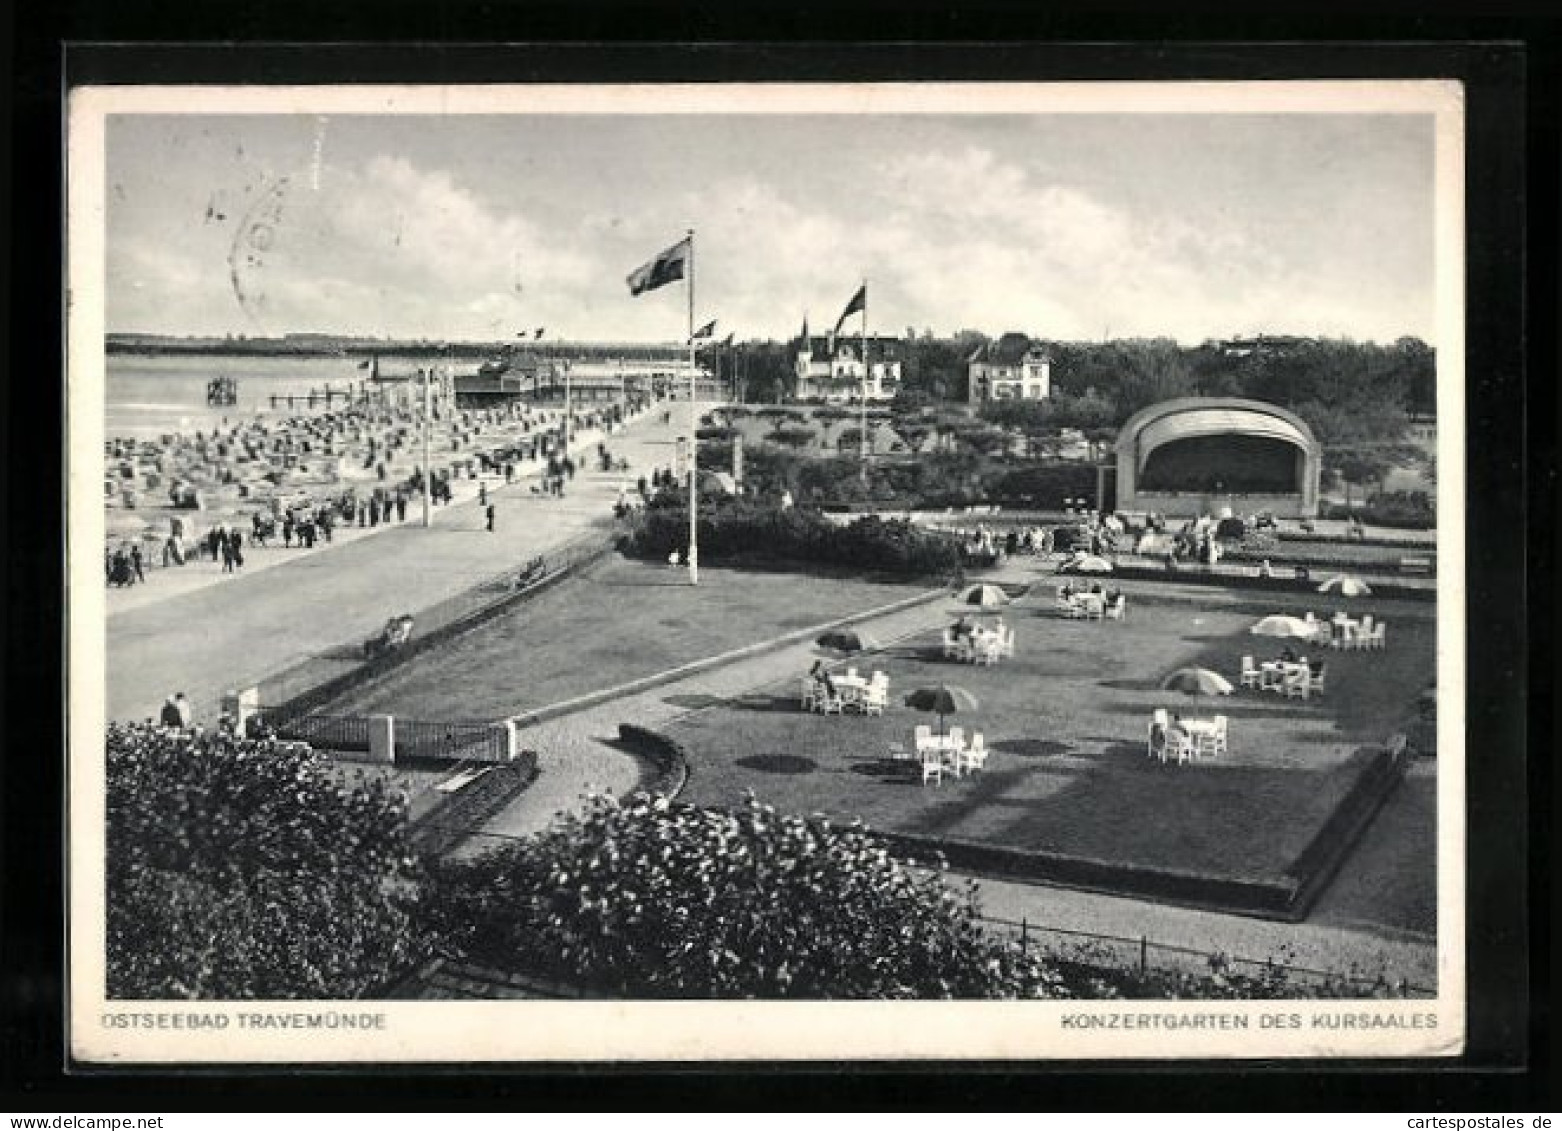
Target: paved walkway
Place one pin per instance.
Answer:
(204, 632)
(578, 756)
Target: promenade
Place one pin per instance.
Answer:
(204, 632)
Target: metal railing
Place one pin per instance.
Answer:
(449, 741)
(325, 732)
(1145, 956)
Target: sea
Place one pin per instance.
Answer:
(153, 395)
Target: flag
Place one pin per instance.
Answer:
(805, 330)
(665, 268)
(704, 331)
(858, 303)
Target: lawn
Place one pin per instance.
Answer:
(1065, 720)
(617, 622)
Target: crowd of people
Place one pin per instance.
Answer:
(294, 480)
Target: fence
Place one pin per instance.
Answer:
(1144, 956)
(478, 741)
(326, 732)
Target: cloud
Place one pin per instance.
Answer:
(970, 236)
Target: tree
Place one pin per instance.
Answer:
(245, 869)
(657, 899)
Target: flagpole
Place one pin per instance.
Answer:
(694, 427)
(865, 374)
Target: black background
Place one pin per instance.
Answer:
(1509, 60)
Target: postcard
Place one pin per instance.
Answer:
(793, 572)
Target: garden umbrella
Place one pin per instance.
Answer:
(1284, 626)
(1197, 681)
(846, 640)
(985, 597)
(1089, 563)
(942, 700)
(1347, 584)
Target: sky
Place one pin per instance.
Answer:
(1064, 226)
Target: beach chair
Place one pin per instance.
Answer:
(1250, 672)
(1008, 640)
(1181, 744)
(1118, 609)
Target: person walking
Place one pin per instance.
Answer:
(135, 560)
(401, 507)
(489, 513)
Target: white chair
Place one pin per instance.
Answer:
(1250, 673)
(932, 767)
(1160, 718)
(951, 645)
(923, 737)
(1006, 640)
(1380, 636)
(987, 650)
(974, 757)
(1217, 737)
(898, 752)
(875, 697)
(811, 691)
(1118, 609)
(851, 673)
(831, 704)
(1365, 631)
(1315, 680)
(1297, 684)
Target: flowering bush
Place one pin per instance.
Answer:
(245, 869)
(656, 899)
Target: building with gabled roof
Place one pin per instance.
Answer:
(1015, 367)
(831, 369)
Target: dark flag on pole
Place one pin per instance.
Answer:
(667, 267)
(704, 331)
(858, 303)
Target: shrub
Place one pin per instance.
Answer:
(1044, 485)
(656, 899)
(245, 869)
(742, 528)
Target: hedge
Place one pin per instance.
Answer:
(731, 529)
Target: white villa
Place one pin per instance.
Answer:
(837, 376)
(1012, 368)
